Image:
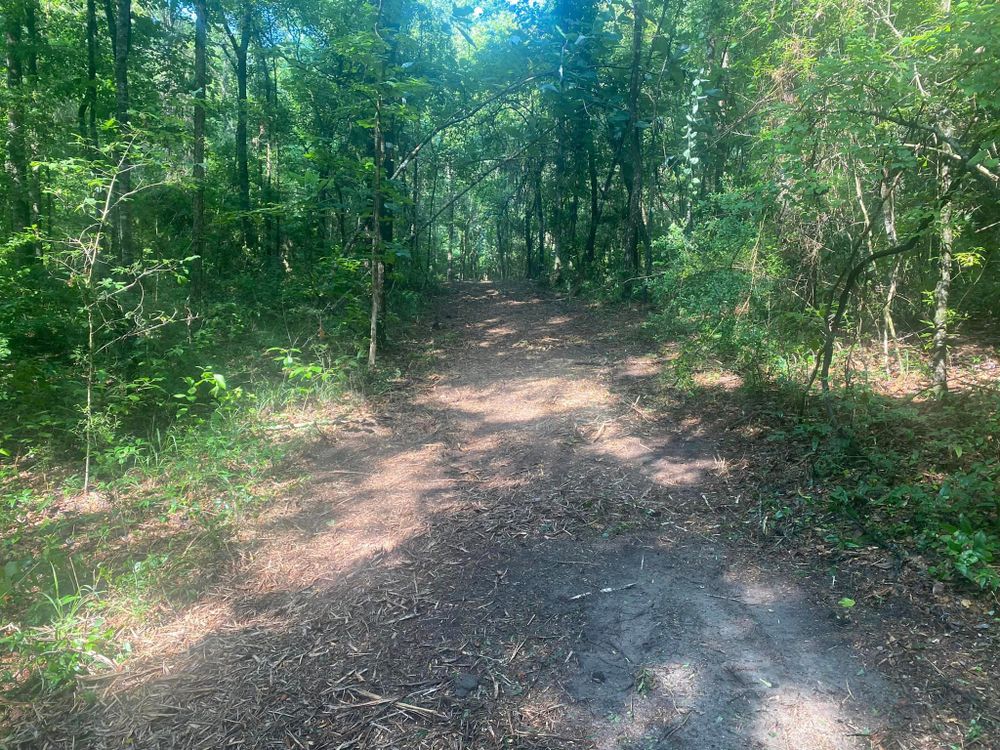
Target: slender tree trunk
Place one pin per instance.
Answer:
(378, 267)
(242, 147)
(87, 115)
(557, 222)
(939, 350)
(574, 220)
(341, 215)
(240, 49)
(270, 182)
(430, 230)
(198, 171)
(635, 221)
(122, 216)
(889, 223)
(591, 246)
(939, 345)
(383, 217)
(539, 211)
(501, 248)
(451, 226)
(463, 246)
(31, 70)
(17, 149)
(528, 238)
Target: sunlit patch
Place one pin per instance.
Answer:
(638, 367)
(520, 491)
(790, 718)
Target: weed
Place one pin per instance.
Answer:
(644, 681)
(922, 475)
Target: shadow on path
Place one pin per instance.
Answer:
(503, 561)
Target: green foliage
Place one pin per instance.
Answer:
(506, 140)
(924, 476)
(971, 554)
(190, 483)
(70, 637)
(717, 295)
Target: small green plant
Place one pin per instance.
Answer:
(924, 476)
(644, 681)
(971, 555)
(70, 637)
(212, 385)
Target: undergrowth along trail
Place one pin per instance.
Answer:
(512, 550)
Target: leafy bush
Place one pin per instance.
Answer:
(69, 637)
(925, 475)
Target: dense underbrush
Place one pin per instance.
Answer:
(915, 476)
(889, 463)
(121, 501)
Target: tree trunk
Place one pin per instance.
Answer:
(635, 222)
(464, 245)
(430, 230)
(122, 215)
(501, 246)
(198, 171)
(242, 149)
(87, 114)
(528, 238)
(889, 223)
(240, 48)
(541, 220)
(17, 149)
(272, 174)
(939, 346)
(939, 349)
(591, 246)
(31, 74)
(378, 267)
(451, 226)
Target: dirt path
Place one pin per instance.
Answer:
(503, 559)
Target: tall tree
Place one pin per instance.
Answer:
(87, 112)
(120, 27)
(17, 147)
(942, 287)
(198, 170)
(636, 225)
(240, 49)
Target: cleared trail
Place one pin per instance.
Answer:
(503, 557)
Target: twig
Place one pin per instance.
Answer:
(608, 590)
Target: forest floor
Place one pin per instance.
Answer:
(512, 551)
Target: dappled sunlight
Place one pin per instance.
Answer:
(349, 521)
(493, 559)
(683, 649)
(345, 524)
(668, 464)
(522, 398)
(638, 367)
(792, 719)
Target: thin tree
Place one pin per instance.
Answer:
(17, 149)
(240, 48)
(123, 207)
(198, 170)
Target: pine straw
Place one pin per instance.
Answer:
(371, 661)
(377, 657)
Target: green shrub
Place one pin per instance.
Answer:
(924, 475)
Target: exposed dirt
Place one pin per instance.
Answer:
(507, 554)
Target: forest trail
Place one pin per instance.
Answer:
(505, 556)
